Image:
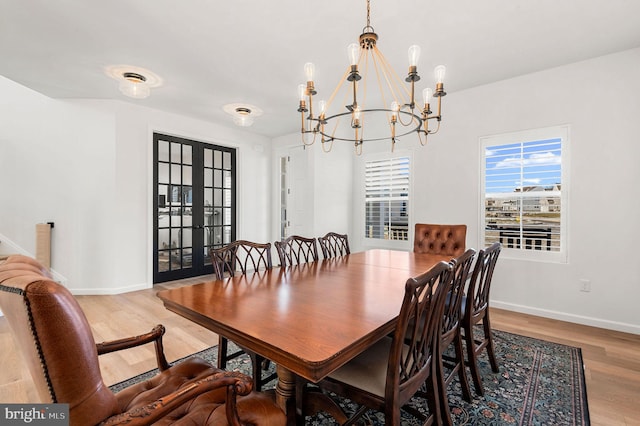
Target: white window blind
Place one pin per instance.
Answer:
(524, 203)
(387, 198)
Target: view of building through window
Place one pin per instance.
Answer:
(387, 198)
(523, 194)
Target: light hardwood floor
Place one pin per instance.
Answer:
(612, 359)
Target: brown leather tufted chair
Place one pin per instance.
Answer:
(448, 240)
(57, 344)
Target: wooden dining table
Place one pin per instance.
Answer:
(309, 319)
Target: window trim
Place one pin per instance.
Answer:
(379, 242)
(562, 132)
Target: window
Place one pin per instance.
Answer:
(387, 199)
(524, 187)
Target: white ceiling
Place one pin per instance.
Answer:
(211, 52)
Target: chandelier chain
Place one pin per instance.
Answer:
(368, 14)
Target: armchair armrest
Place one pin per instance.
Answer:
(235, 382)
(154, 335)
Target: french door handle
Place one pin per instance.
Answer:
(198, 227)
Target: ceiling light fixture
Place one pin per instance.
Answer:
(243, 114)
(397, 101)
(134, 82)
(134, 85)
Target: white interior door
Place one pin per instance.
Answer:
(296, 195)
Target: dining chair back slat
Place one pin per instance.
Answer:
(241, 256)
(334, 245)
(295, 250)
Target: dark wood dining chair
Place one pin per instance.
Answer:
(448, 240)
(475, 308)
(395, 369)
(295, 250)
(242, 256)
(334, 245)
(56, 343)
(451, 334)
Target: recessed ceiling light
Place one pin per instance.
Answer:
(243, 114)
(135, 82)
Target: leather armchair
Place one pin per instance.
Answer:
(57, 344)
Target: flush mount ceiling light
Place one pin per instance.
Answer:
(243, 114)
(134, 82)
(392, 109)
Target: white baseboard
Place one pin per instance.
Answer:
(563, 316)
(108, 291)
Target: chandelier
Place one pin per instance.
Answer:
(389, 114)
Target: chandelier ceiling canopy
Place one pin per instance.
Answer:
(389, 114)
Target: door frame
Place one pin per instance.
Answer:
(199, 265)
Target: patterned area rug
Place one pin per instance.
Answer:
(539, 383)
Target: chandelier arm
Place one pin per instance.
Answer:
(433, 132)
(330, 142)
(412, 118)
(310, 108)
(358, 148)
(426, 134)
(439, 109)
(303, 128)
(312, 141)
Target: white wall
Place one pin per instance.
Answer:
(328, 186)
(56, 165)
(599, 100)
(86, 165)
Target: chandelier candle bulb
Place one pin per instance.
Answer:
(395, 107)
(322, 106)
(302, 92)
(356, 118)
(414, 55)
(439, 72)
(309, 71)
(353, 50)
(426, 97)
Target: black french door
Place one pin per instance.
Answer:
(195, 205)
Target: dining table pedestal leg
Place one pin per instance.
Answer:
(286, 392)
(311, 402)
